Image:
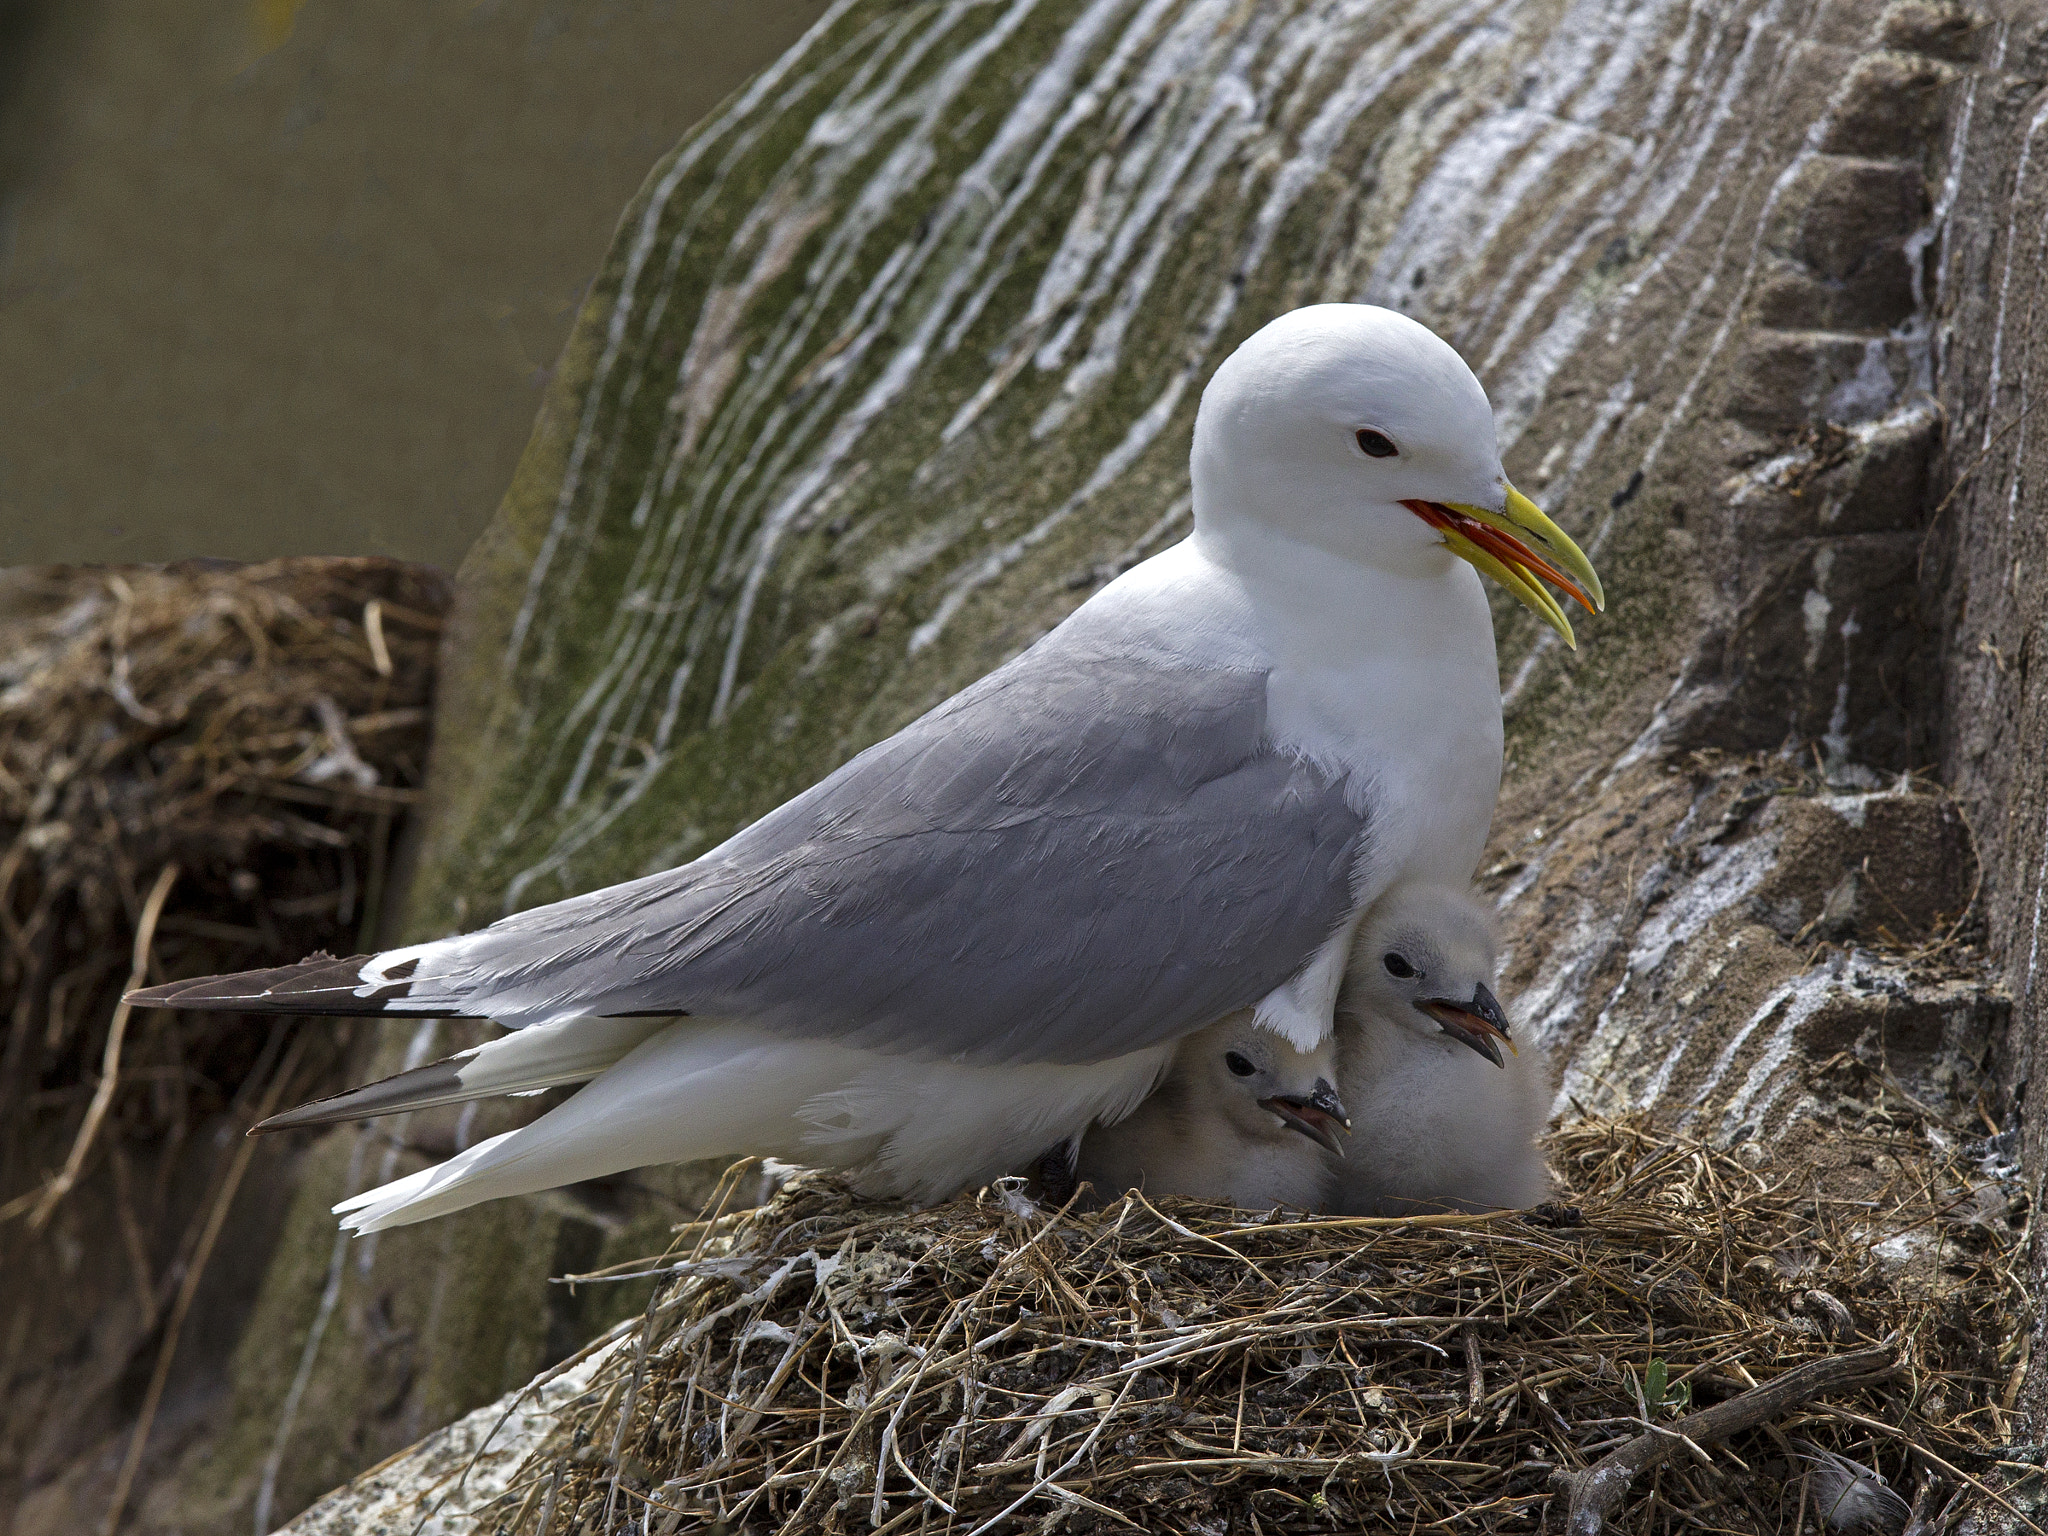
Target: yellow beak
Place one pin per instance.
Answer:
(1496, 543)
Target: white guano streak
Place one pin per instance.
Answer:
(662, 613)
(2017, 201)
(843, 132)
(841, 135)
(573, 492)
(1048, 91)
(622, 307)
(1809, 147)
(1372, 74)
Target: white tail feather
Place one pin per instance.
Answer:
(701, 1089)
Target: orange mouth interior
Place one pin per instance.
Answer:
(1507, 549)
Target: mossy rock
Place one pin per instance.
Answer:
(894, 360)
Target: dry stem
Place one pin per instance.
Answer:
(110, 1060)
(1596, 1492)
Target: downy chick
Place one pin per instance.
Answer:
(1240, 1117)
(1444, 1120)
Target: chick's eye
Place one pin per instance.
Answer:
(1377, 445)
(1239, 1065)
(1397, 964)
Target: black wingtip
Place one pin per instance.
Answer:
(426, 1087)
(320, 986)
(293, 1120)
(154, 997)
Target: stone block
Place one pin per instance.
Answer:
(1863, 867)
(1940, 29)
(1786, 379)
(1844, 23)
(1880, 486)
(1890, 106)
(1842, 226)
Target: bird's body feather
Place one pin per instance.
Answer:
(1436, 1125)
(703, 1088)
(1171, 808)
(1050, 866)
(1204, 1133)
(1852, 1497)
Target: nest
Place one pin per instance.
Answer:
(824, 1364)
(201, 768)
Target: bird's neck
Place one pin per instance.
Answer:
(1388, 675)
(1414, 604)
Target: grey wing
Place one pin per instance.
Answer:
(1081, 855)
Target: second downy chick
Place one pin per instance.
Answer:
(1444, 1120)
(1241, 1117)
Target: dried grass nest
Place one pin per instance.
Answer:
(202, 768)
(989, 1365)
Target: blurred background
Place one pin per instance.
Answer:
(287, 276)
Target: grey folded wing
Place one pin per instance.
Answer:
(1086, 853)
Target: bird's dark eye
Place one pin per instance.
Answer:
(1397, 964)
(1239, 1065)
(1376, 444)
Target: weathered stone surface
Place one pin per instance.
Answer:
(895, 360)
(1705, 938)
(1894, 868)
(1987, 553)
(1839, 246)
(432, 1488)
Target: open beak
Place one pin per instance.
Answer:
(1497, 543)
(1320, 1117)
(1479, 1023)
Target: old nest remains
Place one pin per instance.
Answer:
(200, 770)
(824, 1364)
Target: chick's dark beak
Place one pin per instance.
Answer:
(1479, 1023)
(1320, 1117)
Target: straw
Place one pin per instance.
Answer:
(980, 1367)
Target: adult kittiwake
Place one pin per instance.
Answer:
(1445, 1121)
(989, 930)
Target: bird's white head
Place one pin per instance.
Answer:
(1361, 433)
(1424, 961)
(1260, 1084)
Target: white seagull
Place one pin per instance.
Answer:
(990, 929)
(1223, 1123)
(1444, 1120)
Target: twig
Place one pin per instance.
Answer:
(1377, 1316)
(110, 1061)
(1597, 1492)
(1063, 1469)
(373, 631)
(131, 1235)
(617, 1455)
(194, 1272)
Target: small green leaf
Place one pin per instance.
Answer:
(1660, 1392)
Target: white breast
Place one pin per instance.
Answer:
(1389, 679)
